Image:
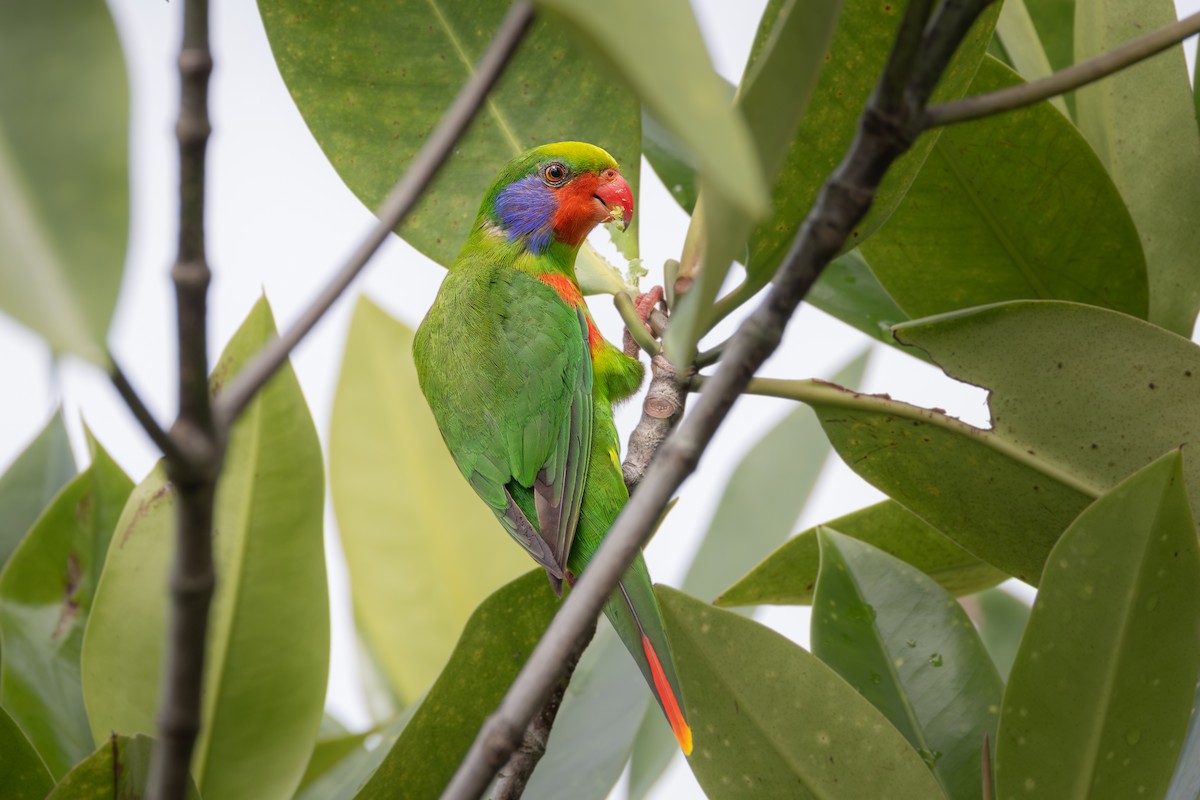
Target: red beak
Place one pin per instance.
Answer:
(617, 197)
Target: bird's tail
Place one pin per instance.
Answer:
(633, 611)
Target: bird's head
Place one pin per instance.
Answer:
(556, 193)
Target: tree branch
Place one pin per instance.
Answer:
(883, 135)
(1067, 80)
(195, 461)
(141, 413)
(395, 208)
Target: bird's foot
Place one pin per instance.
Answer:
(645, 305)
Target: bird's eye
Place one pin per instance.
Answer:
(555, 174)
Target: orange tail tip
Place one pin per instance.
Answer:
(679, 725)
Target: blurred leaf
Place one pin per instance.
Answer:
(849, 291)
(344, 777)
(994, 498)
(1142, 126)
(31, 482)
(595, 728)
(421, 549)
(765, 494)
(328, 753)
(770, 720)
(906, 646)
(788, 576)
(670, 162)
(1012, 207)
(675, 81)
(1059, 374)
(22, 773)
(118, 770)
(1098, 701)
(371, 104)
(64, 192)
(46, 594)
(774, 93)
(494, 645)
(1002, 621)
(855, 59)
(1055, 24)
(268, 629)
(1016, 30)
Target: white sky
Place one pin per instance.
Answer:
(280, 219)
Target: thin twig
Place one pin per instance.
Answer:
(843, 201)
(633, 323)
(194, 471)
(395, 208)
(1067, 80)
(142, 414)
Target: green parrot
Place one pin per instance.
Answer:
(522, 383)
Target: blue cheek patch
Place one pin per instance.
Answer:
(526, 209)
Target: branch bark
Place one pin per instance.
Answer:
(1067, 80)
(885, 131)
(194, 468)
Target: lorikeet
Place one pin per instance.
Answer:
(522, 383)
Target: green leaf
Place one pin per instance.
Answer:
(1142, 125)
(775, 91)
(421, 549)
(770, 720)
(32, 481)
(64, 192)
(848, 290)
(1055, 24)
(268, 628)
(675, 81)
(766, 491)
(906, 646)
(1002, 619)
(118, 770)
(1016, 30)
(670, 161)
(987, 220)
(22, 773)
(1060, 374)
(371, 104)
(1098, 702)
(47, 591)
(993, 497)
(855, 59)
(788, 576)
(595, 728)
(494, 645)
(328, 754)
(342, 779)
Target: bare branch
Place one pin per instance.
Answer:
(141, 413)
(395, 208)
(194, 465)
(1067, 80)
(883, 135)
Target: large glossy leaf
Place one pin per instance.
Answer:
(268, 629)
(118, 770)
(788, 56)
(766, 491)
(342, 777)
(64, 192)
(1099, 697)
(989, 220)
(674, 79)
(864, 36)
(31, 482)
(22, 773)
(421, 548)
(1098, 393)
(906, 646)
(371, 103)
(1001, 618)
(1142, 125)
(849, 291)
(995, 498)
(770, 720)
(1015, 28)
(46, 594)
(789, 575)
(494, 645)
